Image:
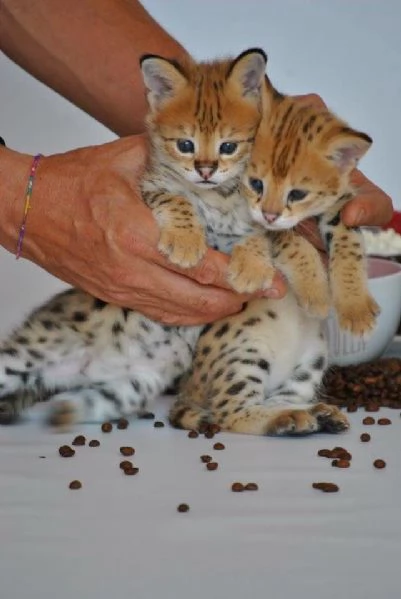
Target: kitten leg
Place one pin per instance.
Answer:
(356, 309)
(101, 401)
(301, 263)
(250, 267)
(182, 237)
(16, 381)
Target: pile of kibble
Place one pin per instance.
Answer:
(370, 385)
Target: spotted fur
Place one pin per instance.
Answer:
(260, 372)
(300, 168)
(96, 360)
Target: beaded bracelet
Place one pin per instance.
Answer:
(27, 205)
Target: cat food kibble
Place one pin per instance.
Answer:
(384, 421)
(193, 434)
(158, 424)
(365, 437)
(324, 453)
(209, 434)
(94, 443)
(125, 464)
(206, 459)
(368, 420)
(237, 487)
(219, 446)
(66, 451)
(107, 427)
(183, 507)
(212, 465)
(251, 487)
(75, 484)
(79, 440)
(341, 463)
(130, 471)
(122, 424)
(147, 416)
(379, 464)
(326, 487)
(127, 451)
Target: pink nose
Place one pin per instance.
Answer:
(206, 172)
(270, 217)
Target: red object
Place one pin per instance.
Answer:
(395, 222)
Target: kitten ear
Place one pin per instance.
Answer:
(347, 148)
(247, 72)
(163, 78)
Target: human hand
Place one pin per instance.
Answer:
(370, 207)
(89, 226)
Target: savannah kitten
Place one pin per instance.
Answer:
(260, 372)
(96, 360)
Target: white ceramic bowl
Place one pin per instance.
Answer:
(385, 286)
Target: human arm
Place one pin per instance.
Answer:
(88, 51)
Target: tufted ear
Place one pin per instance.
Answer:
(247, 72)
(163, 79)
(346, 147)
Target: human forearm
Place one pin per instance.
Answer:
(88, 51)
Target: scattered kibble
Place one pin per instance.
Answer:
(341, 463)
(193, 434)
(158, 424)
(183, 507)
(127, 451)
(379, 464)
(365, 437)
(75, 484)
(206, 459)
(147, 416)
(326, 487)
(122, 424)
(126, 464)
(66, 451)
(130, 471)
(384, 421)
(107, 427)
(237, 487)
(212, 465)
(219, 446)
(94, 443)
(368, 420)
(251, 487)
(79, 440)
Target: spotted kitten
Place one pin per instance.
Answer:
(259, 372)
(96, 360)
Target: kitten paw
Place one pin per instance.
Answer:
(320, 417)
(184, 248)
(330, 418)
(62, 415)
(357, 315)
(248, 273)
(316, 302)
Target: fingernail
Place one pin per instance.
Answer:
(272, 292)
(360, 217)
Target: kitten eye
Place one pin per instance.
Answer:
(296, 195)
(186, 146)
(256, 185)
(228, 147)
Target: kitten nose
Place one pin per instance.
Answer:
(206, 169)
(270, 217)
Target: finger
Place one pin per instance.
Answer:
(370, 207)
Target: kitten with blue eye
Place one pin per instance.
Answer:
(97, 361)
(300, 167)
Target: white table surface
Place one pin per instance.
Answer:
(122, 536)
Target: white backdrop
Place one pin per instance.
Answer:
(347, 51)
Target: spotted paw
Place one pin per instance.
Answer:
(293, 422)
(330, 418)
(357, 315)
(248, 273)
(62, 415)
(183, 247)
